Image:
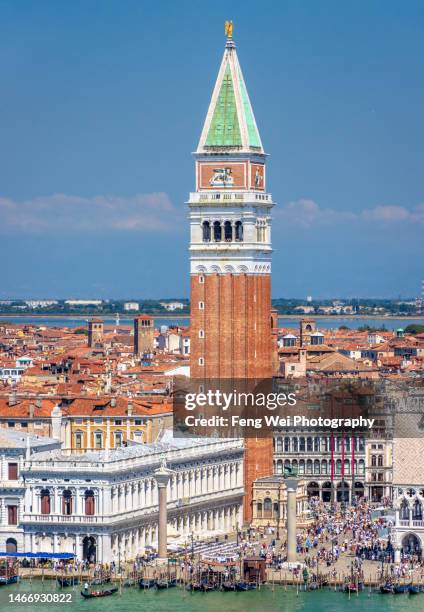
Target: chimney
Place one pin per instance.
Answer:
(12, 399)
(129, 408)
(113, 402)
(31, 410)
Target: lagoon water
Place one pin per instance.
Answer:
(322, 322)
(178, 600)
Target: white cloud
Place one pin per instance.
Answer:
(141, 212)
(395, 214)
(307, 213)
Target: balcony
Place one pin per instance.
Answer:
(62, 519)
(12, 484)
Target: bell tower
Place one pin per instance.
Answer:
(230, 250)
(230, 237)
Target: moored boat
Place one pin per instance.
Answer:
(166, 584)
(8, 580)
(386, 589)
(413, 589)
(147, 583)
(67, 582)
(398, 589)
(245, 586)
(228, 586)
(105, 593)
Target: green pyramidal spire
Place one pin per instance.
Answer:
(224, 129)
(230, 123)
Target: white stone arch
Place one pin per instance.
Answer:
(229, 268)
(216, 269)
(201, 269)
(243, 268)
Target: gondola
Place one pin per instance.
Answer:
(313, 586)
(8, 580)
(102, 580)
(351, 587)
(207, 586)
(413, 589)
(67, 582)
(105, 593)
(166, 584)
(398, 589)
(245, 586)
(385, 589)
(228, 586)
(147, 583)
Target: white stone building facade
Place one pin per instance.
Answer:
(104, 506)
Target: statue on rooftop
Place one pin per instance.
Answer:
(229, 29)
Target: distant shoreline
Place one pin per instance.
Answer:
(187, 316)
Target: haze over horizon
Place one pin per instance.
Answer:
(104, 102)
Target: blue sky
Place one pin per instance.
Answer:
(102, 103)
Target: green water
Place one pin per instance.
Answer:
(178, 600)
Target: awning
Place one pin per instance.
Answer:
(39, 555)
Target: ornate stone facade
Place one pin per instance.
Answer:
(104, 505)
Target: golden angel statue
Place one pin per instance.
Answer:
(229, 29)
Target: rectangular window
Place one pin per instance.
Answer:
(13, 471)
(118, 421)
(138, 422)
(118, 439)
(98, 441)
(11, 424)
(78, 440)
(12, 515)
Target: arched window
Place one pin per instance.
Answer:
(309, 466)
(206, 231)
(316, 466)
(301, 466)
(361, 467)
(302, 444)
(239, 231)
(67, 502)
(316, 444)
(404, 510)
(324, 466)
(295, 444)
(279, 446)
(338, 466)
(286, 444)
(89, 502)
(228, 231)
(217, 231)
(417, 511)
(11, 545)
(374, 460)
(259, 509)
(380, 461)
(45, 501)
(279, 467)
(267, 508)
(346, 466)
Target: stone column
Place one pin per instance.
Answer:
(291, 484)
(162, 476)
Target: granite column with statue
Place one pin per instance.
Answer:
(162, 476)
(291, 484)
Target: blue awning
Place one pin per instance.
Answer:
(39, 555)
